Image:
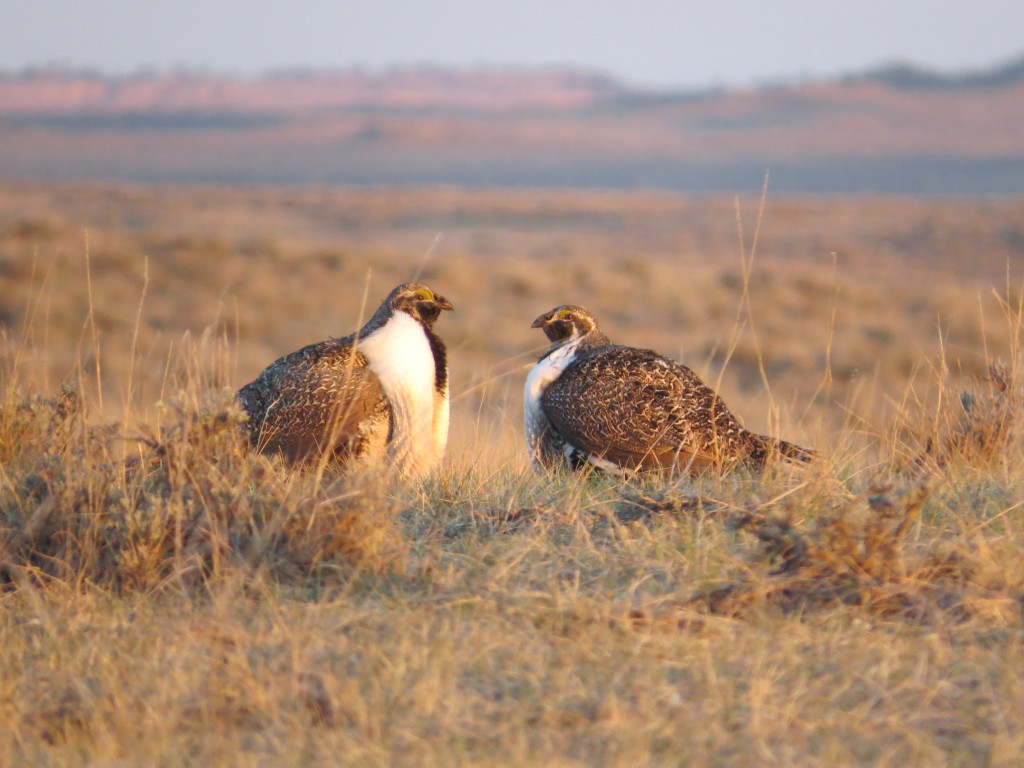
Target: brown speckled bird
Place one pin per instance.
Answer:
(382, 391)
(622, 409)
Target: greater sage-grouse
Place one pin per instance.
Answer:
(382, 391)
(622, 409)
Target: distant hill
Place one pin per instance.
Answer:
(896, 129)
(912, 77)
(65, 92)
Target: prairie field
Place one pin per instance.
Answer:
(169, 598)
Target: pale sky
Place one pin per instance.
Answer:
(646, 42)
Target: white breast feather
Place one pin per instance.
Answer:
(400, 355)
(542, 374)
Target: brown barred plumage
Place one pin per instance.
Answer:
(624, 409)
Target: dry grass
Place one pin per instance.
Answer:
(168, 598)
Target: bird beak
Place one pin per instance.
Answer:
(443, 303)
(541, 321)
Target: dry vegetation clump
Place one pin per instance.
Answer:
(845, 558)
(860, 552)
(188, 505)
(984, 426)
(955, 430)
(827, 550)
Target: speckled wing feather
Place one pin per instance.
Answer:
(641, 410)
(319, 398)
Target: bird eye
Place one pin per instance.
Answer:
(424, 295)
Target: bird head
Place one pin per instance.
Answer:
(565, 323)
(418, 301)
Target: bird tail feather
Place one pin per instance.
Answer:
(788, 450)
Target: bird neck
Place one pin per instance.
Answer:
(595, 338)
(578, 343)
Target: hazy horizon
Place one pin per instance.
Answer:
(646, 42)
